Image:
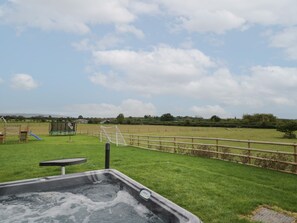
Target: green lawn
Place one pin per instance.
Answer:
(215, 191)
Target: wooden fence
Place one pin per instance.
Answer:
(272, 155)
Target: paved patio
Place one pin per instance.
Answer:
(266, 215)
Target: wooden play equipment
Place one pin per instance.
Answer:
(13, 132)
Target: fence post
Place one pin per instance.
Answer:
(249, 152)
(138, 140)
(192, 143)
(174, 145)
(160, 143)
(295, 156)
(217, 148)
(148, 142)
(107, 155)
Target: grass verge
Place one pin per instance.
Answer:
(214, 190)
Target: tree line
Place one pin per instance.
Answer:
(259, 120)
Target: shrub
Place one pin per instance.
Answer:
(225, 155)
(202, 151)
(245, 159)
(180, 149)
(281, 157)
(288, 128)
(266, 162)
(270, 161)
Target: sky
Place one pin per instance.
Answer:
(100, 58)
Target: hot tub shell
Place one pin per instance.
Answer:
(162, 207)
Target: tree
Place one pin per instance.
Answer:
(260, 120)
(167, 117)
(288, 128)
(215, 118)
(80, 117)
(120, 118)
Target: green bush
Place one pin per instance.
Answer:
(288, 128)
(202, 151)
(271, 161)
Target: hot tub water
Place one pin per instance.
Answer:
(105, 196)
(89, 203)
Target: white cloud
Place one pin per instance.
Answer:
(129, 107)
(23, 82)
(208, 111)
(192, 15)
(130, 29)
(106, 42)
(67, 15)
(190, 73)
(160, 71)
(286, 39)
(197, 22)
(1, 80)
(220, 85)
(221, 16)
(151, 72)
(270, 85)
(137, 108)
(144, 7)
(274, 84)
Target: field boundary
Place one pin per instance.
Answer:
(247, 152)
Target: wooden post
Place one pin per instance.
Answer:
(160, 143)
(249, 152)
(1, 138)
(295, 156)
(148, 141)
(192, 143)
(174, 145)
(20, 133)
(27, 136)
(138, 140)
(217, 148)
(4, 134)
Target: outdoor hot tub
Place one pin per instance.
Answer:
(94, 196)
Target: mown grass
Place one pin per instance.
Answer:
(214, 190)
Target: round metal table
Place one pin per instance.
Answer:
(63, 162)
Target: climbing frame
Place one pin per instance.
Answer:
(14, 133)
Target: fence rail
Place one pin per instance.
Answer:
(272, 155)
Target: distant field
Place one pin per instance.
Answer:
(270, 135)
(216, 191)
(246, 152)
(216, 132)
